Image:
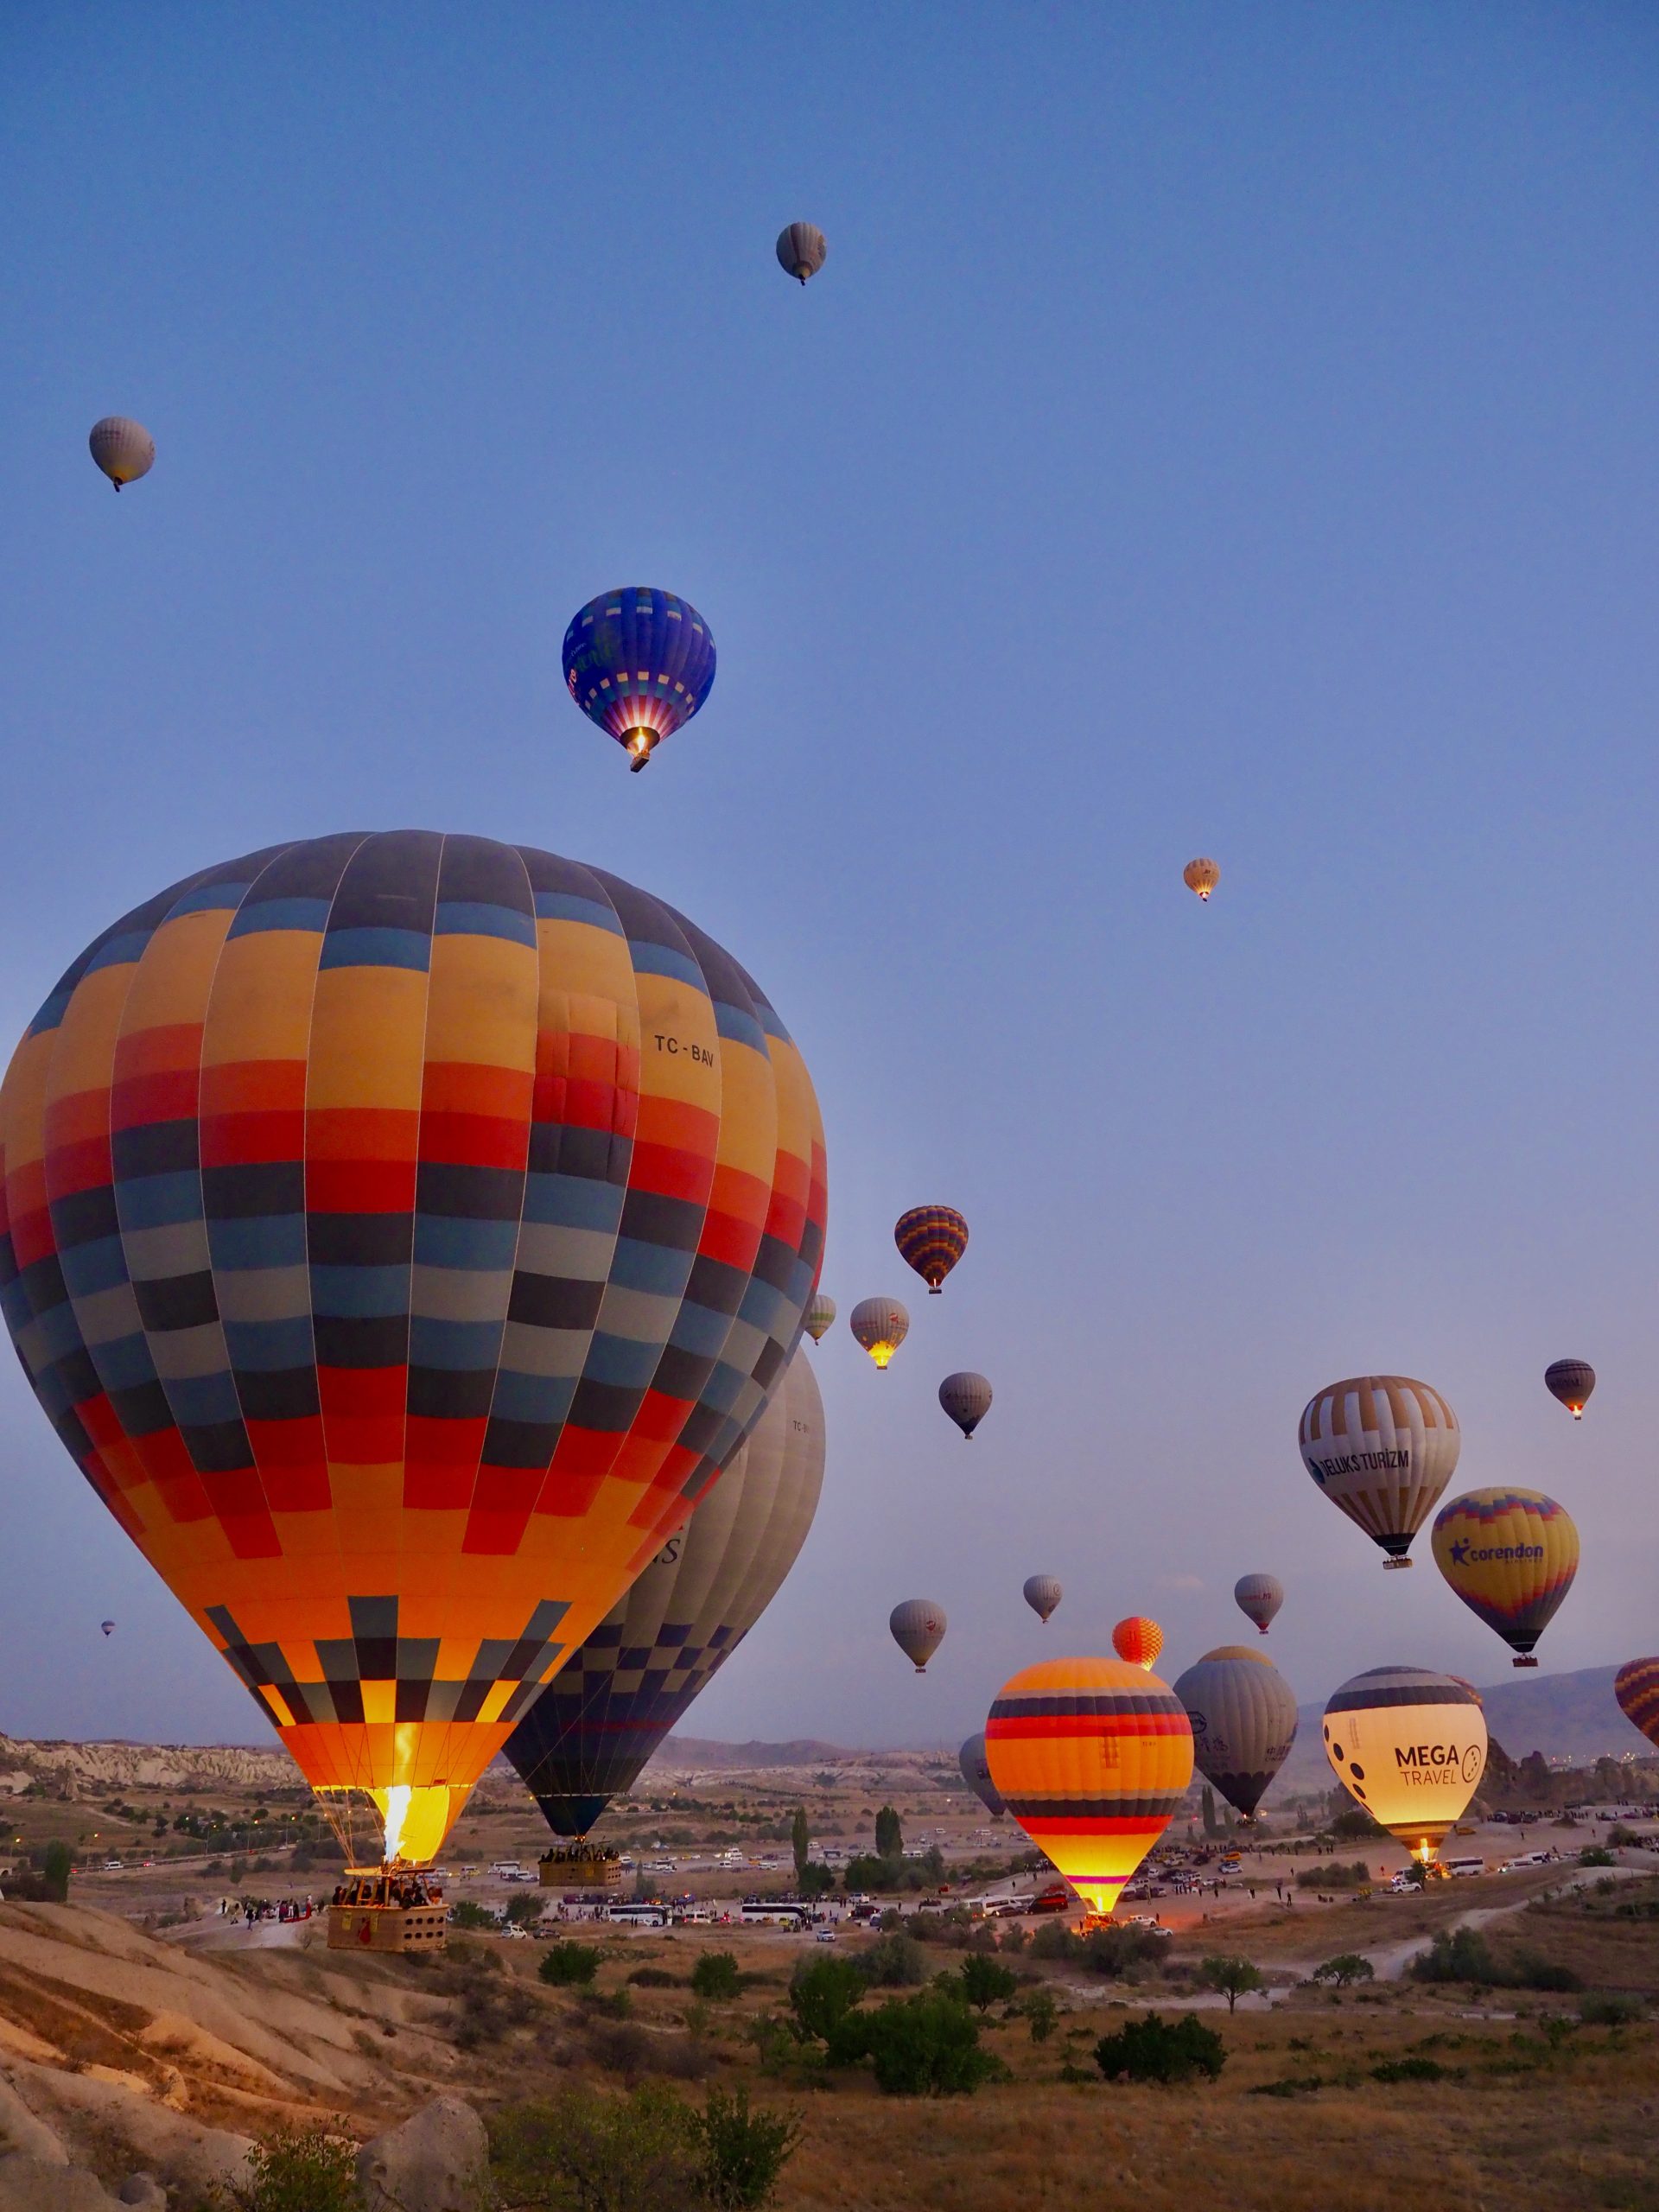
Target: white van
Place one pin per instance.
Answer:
(1463, 1865)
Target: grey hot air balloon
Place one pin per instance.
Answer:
(1258, 1596)
(124, 449)
(967, 1398)
(801, 250)
(880, 1324)
(1571, 1380)
(1243, 1717)
(917, 1627)
(977, 1776)
(819, 1316)
(108, 1627)
(1042, 1594)
(591, 1730)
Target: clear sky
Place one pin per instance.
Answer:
(1222, 430)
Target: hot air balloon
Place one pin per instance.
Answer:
(1092, 1757)
(917, 1627)
(1258, 1596)
(1637, 1688)
(1571, 1380)
(640, 662)
(124, 449)
(1409, 1746)
(590, 1732)
(1201, 876)
(930, 1239)
(400, 1232)
(967, 1398)
(1243, 1717)
(1510, 1555)
(1042, 1594)
(1384, 1448)
(977, 1773)
(880, 1324)
(801, 250)
(108, 1627)
(1137, 1640)
(820, 1314)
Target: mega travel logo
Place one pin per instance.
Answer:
(1424, 1764)
(1462, 1552)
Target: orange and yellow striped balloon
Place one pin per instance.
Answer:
(1092, 1757)
(1139, 1641)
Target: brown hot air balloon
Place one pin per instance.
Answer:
(1571, 1380)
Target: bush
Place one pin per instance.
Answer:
(1336, 1876)
(744, 2151)
(469, 1914)
(568, 1963)
(894, 1962)
(1040, 2009)
(301, 2170)
(1410, 2070)
(822, 1992)
(651, 1978)
(523, 1911)
(716, 1977)
(919, 2046)
(1054, 1940)
(1622, 1837)
(1614, 2011)
(1346, 1967)
(983, 1983)
(1593, 1855)
(594, 2152)
(622, 2047)
(1115, 1950)
(1156, 2049)
(55, 1871)
(1528, 1970)
(1456, 1954)
(1233, 1977)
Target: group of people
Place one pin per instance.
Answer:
(249, 1909)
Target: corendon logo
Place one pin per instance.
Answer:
(1463, 1550)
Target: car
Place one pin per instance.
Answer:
(824, 1936)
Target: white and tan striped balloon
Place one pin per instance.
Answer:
(1384, 1448)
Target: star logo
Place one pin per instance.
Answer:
(1459, 1551)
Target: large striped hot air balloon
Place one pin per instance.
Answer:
(1637, 1688)
(400, 1232)
(589, 1733)
(1243, 1717)
(930, 1239)
(640, 662)
(1409, 1746)
(1383, 1448)
(1510, 1555)
(1092, 1757)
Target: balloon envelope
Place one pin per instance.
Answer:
(1092, 1757)
(1201, 876)
(124, 449)
(389, 1279)
(930, 1239)
(1637, 1688)
(1383, 1448)
(977, 1773)
(640, 662)
(1243, 1717)
(820, 1315)
(1510, 1555)
(1138, 1640)
(917, 1627)
(967, 1398)
(1258, 1596)
(108, 1627)
(1571, 1380)
(1042, 1594)
(880, 1324)
(801, 250)
(591, 1732)
(1409, 1746)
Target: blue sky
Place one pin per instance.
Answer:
(1224, 431)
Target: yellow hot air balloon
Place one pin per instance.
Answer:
(1201, 876)
(1510, 1555)
(880, 1324)
(1092, 1757)
(1410, 1746)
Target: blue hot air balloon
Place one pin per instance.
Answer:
(640, 662)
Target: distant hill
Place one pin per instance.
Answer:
(701, 1754)
(64, 1767)
(1573, 1717)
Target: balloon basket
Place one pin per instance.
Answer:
(581, 1867)
(1393, 1566)
(1524, 1661)
(384, 1909)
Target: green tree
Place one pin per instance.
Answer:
(716, 1977)
(523, 1911)
(984, 1982)
(744, 2150)
(1156, 2049)
(822, 1992)
(894, 1962)
(470, 1914)
(300, 2169)
(1043, 2014)
(566, 1964)
(54, 1870)
(1456, 1954)
(589, 2152)
(889, 1835)
(1347, 1966)
(1234, 1978)
(800, 1837)
(926, 2046)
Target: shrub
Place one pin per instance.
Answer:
(1528, 1970)
(1054, 1940)
(1456, 1955)
(981, 1983)
(744, 2151)
(470, 1914)
(1346, 1967)
(300, 2169)
(1114, 1949)
(622, 2047)
(822, 1992)
(594, 2152)
(1156, 2049)
(716, 1977)
(926, 2046)
(894, 1962)
(1619, 1835)
(523, 1911)
(652, 1978)
(1614, 2011)
(1336, 1876)
(54, 1870)
(568, 1963)
(1355, 1824)
(1593, 1855)
(1041, 2011)
(1233, 1977)
(1410, 2070)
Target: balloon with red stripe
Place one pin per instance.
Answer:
(1092, 1757)
(1138, 1640)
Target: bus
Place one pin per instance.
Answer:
(639, 1915)
(775, 1913)
(1465, 1866)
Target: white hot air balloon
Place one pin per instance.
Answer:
(124, 449)
(917, 1627)
(1042, 1594)
(1410, 1746)
(1258, 1596)
(1383, 1448)
(819, 1317)
(880, 1324)
(1243, 1717)
(801, 250)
